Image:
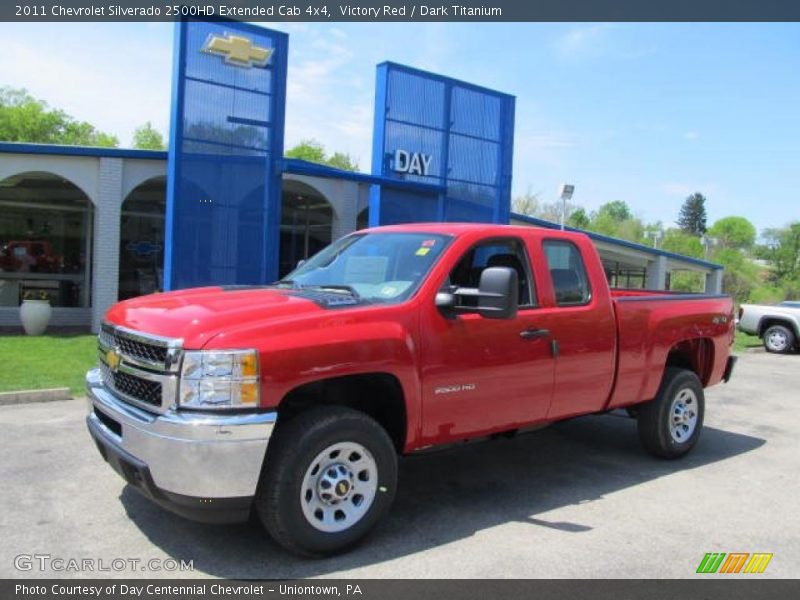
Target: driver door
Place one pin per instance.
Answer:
(481, 375)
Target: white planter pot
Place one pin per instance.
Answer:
(35, 315)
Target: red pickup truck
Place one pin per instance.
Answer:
(294, 400)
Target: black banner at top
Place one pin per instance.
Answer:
(401, 10)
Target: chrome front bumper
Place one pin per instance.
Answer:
(199, 456)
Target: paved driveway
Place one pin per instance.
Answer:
(579, 499)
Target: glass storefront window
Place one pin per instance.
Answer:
(306, 224)
(45, 240)
(141, 248)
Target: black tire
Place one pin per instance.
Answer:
(655, 417)
(779, 339)
(297, 444)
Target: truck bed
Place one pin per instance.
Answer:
(658, 327)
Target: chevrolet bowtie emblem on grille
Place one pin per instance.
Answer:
(237, 50)
(112, 359)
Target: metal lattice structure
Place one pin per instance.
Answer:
(224, 196)
(462, 138)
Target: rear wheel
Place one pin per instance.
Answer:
(329, 477)
(670, 424)
(778, 339)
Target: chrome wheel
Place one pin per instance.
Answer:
(777, 340)
(683, 415)
(339, 487)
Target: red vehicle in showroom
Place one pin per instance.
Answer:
(294, 400)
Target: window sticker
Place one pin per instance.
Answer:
(428, 243)
(422, 251)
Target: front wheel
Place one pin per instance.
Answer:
(778, 339)
(330, 475)
(670, 424)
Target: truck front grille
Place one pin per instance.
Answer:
(133, 387)
(140, 367)
(135, 346)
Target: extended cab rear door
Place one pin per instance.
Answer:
(578, 313)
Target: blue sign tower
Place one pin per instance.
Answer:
(226, 142)
(446, 133)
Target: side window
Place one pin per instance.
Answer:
(567, 273)
(497, 253)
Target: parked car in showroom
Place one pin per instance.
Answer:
(777, 325)
(293, 400)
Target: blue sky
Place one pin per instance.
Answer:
(646, 113)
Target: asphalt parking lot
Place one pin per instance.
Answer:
(579, 499)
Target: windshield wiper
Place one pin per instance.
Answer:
(337, 288)
(289, 282)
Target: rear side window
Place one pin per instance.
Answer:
(567, 272)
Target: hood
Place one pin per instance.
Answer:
(199, 314)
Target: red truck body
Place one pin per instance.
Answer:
(468, 376)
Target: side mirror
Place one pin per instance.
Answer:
(498, 293)
(496, 296)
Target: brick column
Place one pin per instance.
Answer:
(105, 258)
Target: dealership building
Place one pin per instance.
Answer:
(91, 226)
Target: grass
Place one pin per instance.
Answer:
(744, 341)
(47, 361)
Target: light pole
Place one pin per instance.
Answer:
(656, 234)
(707, 243)
(565, 191)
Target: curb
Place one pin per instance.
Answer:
(30, 396)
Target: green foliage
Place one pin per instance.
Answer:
(579, 219)
(687, 281)
(733, 232)
(616, 211)
(23, 118)
(676, 240)
(692, 218)
(783, 251)
(148, 137)
(313, 151)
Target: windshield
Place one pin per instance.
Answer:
(387, 267)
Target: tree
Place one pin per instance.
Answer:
(733, 232)
(783, 251)
(313, 151)
(24, 118)
(579, 219)
(680, 242)
(340, 160)
(527, 204)
(616, 219)
(616, 210)
(148, 137)
(692, 218)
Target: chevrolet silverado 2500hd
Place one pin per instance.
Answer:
(293, 400)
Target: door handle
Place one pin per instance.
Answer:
(532, 334)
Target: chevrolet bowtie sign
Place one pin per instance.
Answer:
(237, 50)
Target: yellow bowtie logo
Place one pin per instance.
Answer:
(237, 50)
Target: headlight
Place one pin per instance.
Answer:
(219, 379)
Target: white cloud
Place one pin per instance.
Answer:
(596, 40)
(582, 40)
(691, 135)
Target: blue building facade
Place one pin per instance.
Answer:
(442, 151)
